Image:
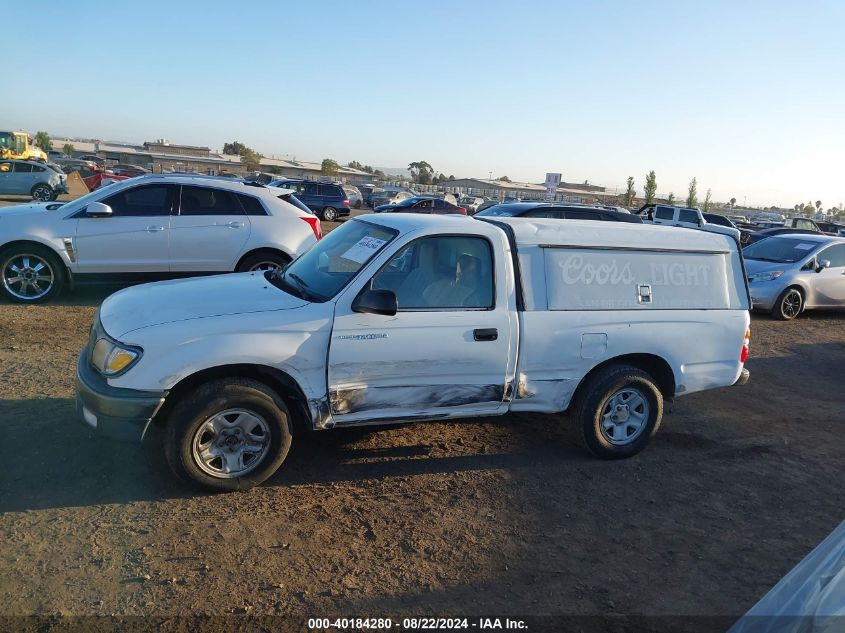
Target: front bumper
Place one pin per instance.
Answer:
(764, 294)
(121, 414)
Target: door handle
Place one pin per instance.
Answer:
(485, 334)
(154, 229)
(235, 225)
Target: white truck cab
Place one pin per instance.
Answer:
(406, 317)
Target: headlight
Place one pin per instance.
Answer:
(766, 276)
(110, 358)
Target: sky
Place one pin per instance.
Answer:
(745, 96)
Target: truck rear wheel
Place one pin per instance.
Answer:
(618, 411)
(230, 434)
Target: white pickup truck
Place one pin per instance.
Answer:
(407, 317)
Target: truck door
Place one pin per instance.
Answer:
(449, 350)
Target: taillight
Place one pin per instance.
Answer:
(743, 355)
(462, 210)
(314, 222)
(346, 203)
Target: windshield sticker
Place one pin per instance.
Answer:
(363, 249)
(804, 247)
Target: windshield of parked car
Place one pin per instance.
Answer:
(498, 210)
(780, 249)
(329, 265)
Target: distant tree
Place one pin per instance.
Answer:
(250, 158)
(630, 193)
(378, 173)
(809, 207)
(451, 177)
(818, 204)
(42, 141)
(650, 189)
(733, 202)
(801, 208)
(692, 193)
(234, 148)
(706, 206)
(275, 169)
(421, 172)
(354, 164)
(367, 169)
(796, 207)
(671, 198)
(503, 179)
(329, 167)
(68, 149)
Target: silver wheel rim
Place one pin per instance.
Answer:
(624, 416)
(27, 276)
(791, 304)
(330, 214)
(231, 443)
(42, 193)
(265, 266)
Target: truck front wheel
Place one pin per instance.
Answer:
(229, 434)
(618, 410)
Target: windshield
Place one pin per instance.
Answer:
(332, 263)
(497, 211)
(780, 249)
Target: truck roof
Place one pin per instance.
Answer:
(583, 233)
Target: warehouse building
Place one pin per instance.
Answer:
(503, 189)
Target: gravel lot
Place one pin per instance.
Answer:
(485, 517)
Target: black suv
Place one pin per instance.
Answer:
(327, 200)
(558, 211)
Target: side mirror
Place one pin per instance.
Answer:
(823, 263)
(376, 302)
(98, 210)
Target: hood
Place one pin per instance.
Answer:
(753, 266)
(183, 299)
(24, 209)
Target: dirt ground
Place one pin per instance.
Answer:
(499, 516)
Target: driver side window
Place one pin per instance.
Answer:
(834, 254)
(440, 273)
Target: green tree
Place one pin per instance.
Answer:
(42, 141)
(378, 173)
(630, 193)
(733, 202)
(275, 169)
(809, 207)
(68, 149)
(329, 167)
(354, 164)
(250, 158)
(451, 177)
(671, 198)
(421, 172)
(818, 205)
(706, 206)
(503, 179)
(650, 189)
(692, 193)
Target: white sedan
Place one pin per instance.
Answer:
(150, 227)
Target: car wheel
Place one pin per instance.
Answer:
(42, 193)
(618, 411)
(789, 304)
(230, 434)
(329, 214)
(264, 262)
(31, 274)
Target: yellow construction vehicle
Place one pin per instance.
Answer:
(19, 145)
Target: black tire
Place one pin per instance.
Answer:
(263, 260)
(594, 399)
(788, 305)
(42, 192)
(212, 398)
(329, 214)
(56, 269)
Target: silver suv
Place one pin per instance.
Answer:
(147, 227)
(28, 178)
